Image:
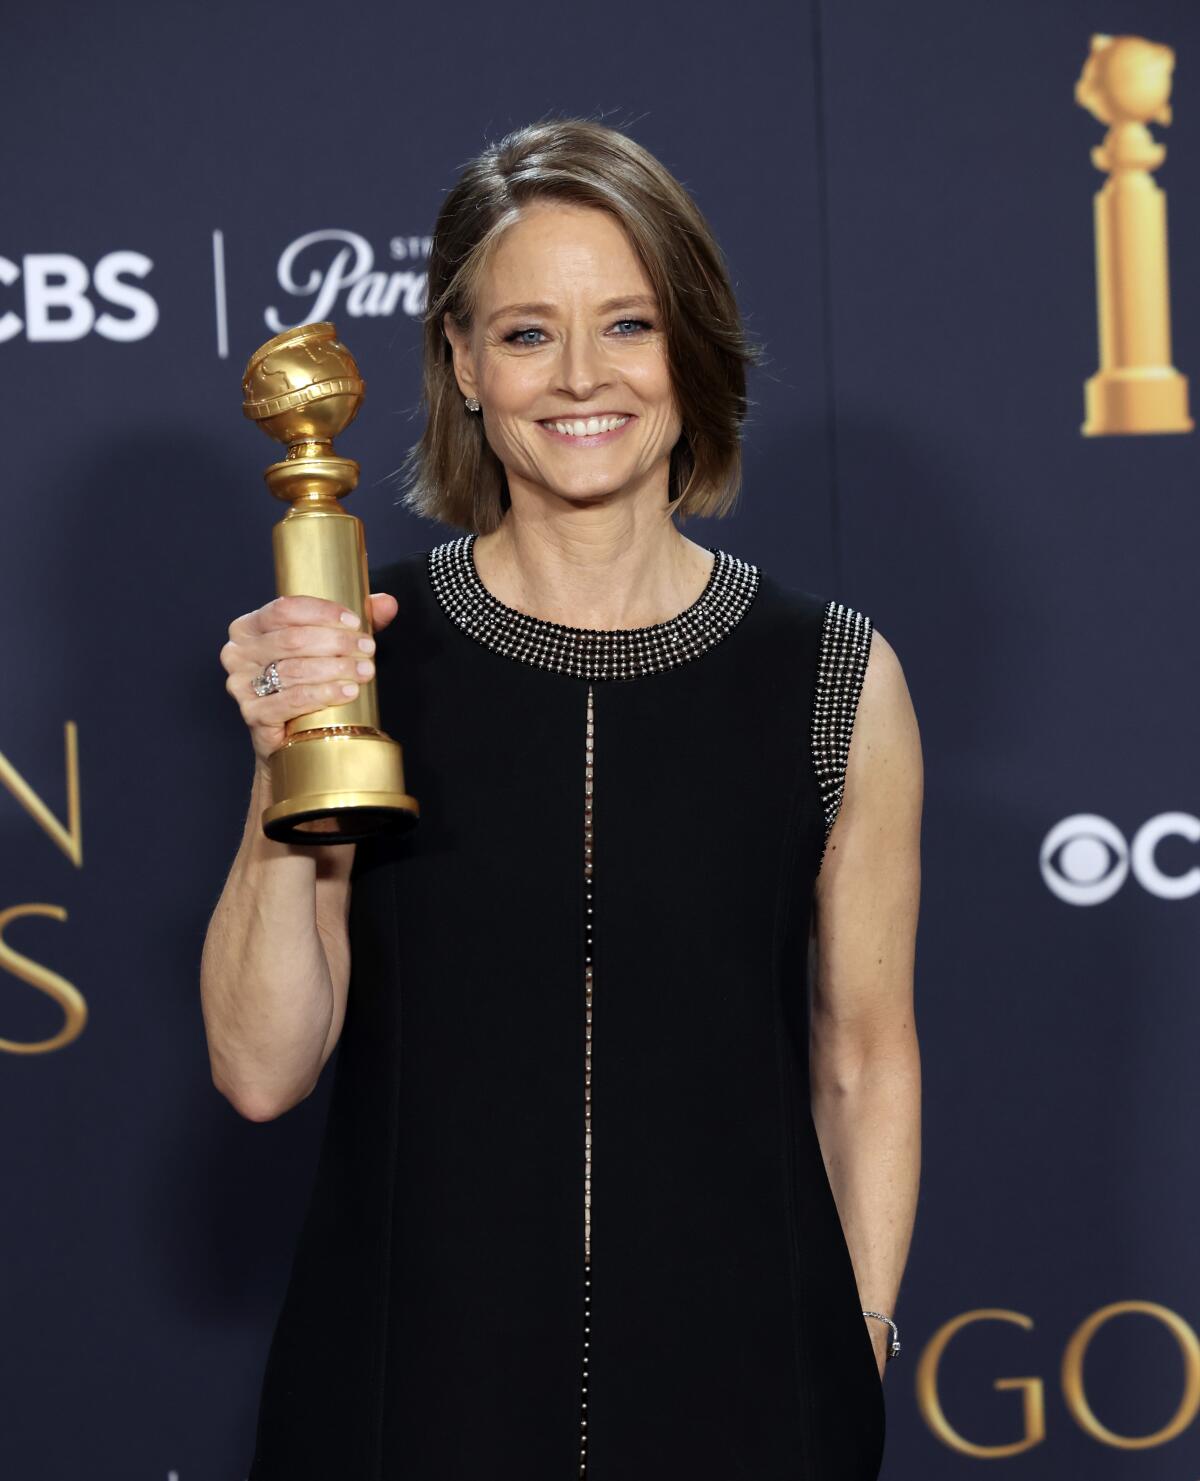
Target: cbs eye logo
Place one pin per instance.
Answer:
(1085, 859)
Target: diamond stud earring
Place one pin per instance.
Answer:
(472, 404)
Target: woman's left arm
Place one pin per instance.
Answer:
(864, 1059)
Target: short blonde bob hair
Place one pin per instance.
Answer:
(452, 474)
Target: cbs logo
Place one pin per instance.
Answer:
(1031, 1390)
(1085, 859)
(56, 301)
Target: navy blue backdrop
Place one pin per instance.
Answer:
(905, 198)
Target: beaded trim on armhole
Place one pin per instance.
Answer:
(841, 668)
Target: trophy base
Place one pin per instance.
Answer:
(338, 786)
(1136, 401)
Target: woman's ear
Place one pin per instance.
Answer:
(460, 347)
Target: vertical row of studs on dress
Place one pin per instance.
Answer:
(841, 669)
(588, 841)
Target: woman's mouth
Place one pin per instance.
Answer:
(586, 431)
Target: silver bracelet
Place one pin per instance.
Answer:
(894, 1342)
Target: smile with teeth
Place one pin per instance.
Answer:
(586, 427)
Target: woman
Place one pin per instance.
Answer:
(600, 1189)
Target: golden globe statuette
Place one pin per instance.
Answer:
(1126, 83)
(337, 778)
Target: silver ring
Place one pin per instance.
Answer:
(268, 682)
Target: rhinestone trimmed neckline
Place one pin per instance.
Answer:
(584, 652)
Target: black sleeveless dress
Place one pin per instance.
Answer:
(571, 1217)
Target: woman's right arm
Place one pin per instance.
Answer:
(275, 968)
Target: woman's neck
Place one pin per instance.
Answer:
(593, 568)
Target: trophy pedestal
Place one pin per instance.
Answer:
(1132, 400)
(338, 786)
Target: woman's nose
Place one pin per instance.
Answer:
(581, 366)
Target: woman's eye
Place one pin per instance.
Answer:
(532, 336)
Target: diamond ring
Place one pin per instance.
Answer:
(268, 682)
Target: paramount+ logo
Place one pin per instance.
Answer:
(328, 272)
(61, 298)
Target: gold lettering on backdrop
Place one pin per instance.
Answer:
(1032, 1390)
(64, 993)
(1126, 83)
(1072, 1375)
(70, 838)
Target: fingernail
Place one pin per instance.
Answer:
(365, 668)
(351, 619)
(367, 645)
(349, 690)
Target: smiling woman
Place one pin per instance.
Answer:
(576, 397)
(572, 236)
(620, 1165)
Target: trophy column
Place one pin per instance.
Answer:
(337, 778)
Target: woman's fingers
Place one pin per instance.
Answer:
(384, 607)
(294, 672)
(356, 668)
(321, 653)
(292, 611)
(301, 642)
(293, 699)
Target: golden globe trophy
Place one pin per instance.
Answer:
(337, 778)
(1126, 84)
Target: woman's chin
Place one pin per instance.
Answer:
(596, 487)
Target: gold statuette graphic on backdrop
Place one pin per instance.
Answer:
(1126, 83)
(337, 778)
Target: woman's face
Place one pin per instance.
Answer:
(568, 358)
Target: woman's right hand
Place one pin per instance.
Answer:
(315, 652)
